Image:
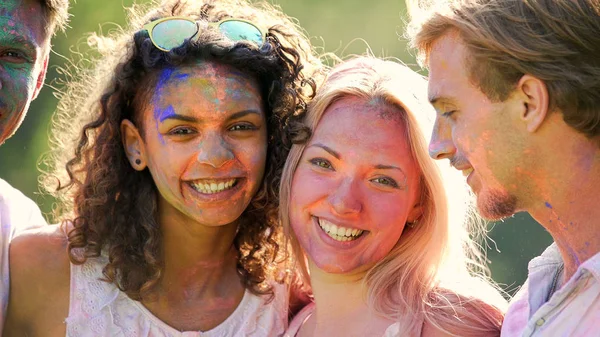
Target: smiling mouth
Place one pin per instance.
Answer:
(339, 233)
(212, 186)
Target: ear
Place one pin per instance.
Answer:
(415, 213)
(535, 101)
(41, 78)
(133, 143)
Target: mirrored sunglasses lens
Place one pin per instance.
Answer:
(173, 33)
(240, 30)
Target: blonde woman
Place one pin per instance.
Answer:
(367, 212)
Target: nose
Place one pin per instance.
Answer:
(215, 151)
(345, 199)
(441, 145)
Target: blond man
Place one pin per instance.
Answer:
(516, 86)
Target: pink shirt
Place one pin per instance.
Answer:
(572, 311)
(301, 317)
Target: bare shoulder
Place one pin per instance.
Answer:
(41, 252)
(39, 281)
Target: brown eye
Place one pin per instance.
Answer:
(182, 131)
(242, 127)
(14, 56)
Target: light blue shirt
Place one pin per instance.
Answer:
(571, 311)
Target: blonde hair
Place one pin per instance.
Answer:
(57, 15)
(413, 280)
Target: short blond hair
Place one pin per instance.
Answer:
(555, 41)
(57, 15)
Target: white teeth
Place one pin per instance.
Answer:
(339, 233)
(210, 187)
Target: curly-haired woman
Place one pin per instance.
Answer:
(170, 194)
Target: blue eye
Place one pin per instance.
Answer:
(385, 181)
(321, 163)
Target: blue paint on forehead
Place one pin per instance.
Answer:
(164, 78)
(181, 76)
(166, 113)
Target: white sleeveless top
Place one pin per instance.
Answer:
(98, 308)
(393, 330)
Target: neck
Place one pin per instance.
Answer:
(341, 308)
(567, 201)
(199, 261)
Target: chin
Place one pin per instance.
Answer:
(332, 268)
(217, 217)
(496, 205)
(218, 221)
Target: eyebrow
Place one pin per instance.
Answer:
(388, 167)
(243, 113)
(179, 117)
(183, 118)
(434, 98)
(337, 156)
(328, 149)
(19, 41)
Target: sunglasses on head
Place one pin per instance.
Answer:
(172, 32)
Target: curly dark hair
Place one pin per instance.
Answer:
(107, 206)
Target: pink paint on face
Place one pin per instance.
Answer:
(23, 49)
(474, 133)
(357, 173)
(206, 152)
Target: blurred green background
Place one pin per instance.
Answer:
(337, 26)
